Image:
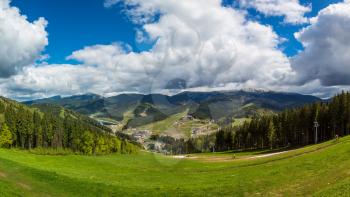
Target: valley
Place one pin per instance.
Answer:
(257, 153)
(181, 116)
(183, 98)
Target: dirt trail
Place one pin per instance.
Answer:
(24, 186)
(2, 175)
(268, 155)
(226, 158)
(232, 158)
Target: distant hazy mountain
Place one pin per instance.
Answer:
(137, 109)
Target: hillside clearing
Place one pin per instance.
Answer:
(320, 169)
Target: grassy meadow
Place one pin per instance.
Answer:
(175, 127)
(319, 170)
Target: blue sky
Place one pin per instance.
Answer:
(292, 46)
(110, 47)
(74, 24)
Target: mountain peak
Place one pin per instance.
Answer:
(260, 90)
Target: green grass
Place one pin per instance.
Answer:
(164, 125)
(2, 118)
(321, 170)
(62, 113)
(168, 126)
(240, 121)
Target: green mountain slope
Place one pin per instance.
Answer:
(319, 170)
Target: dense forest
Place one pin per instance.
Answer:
(49, 126)
(290, 128)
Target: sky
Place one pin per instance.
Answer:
(108, 47)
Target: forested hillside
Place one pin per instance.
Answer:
(50, 126)
(290, 128)
(294, 127)
(135, 110)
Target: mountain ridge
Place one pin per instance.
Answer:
(138, 109)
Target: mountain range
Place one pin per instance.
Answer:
(134, 110)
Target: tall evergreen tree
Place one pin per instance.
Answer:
(272, 134)
(5, 137)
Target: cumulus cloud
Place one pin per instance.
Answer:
(292, 11)
(21, 41)
(48, 80)
(327, 47)
(203, 45)
(200, 43)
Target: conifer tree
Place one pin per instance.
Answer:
(5, 137)
(272, 134)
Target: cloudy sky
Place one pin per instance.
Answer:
(107, 47)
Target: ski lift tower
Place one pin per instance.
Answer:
(316, 125)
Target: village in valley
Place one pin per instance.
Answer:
(185, 127)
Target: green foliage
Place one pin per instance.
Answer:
(2, 118)
(290, 128)
(5, 137)
(128, 148)
(53, 127)
(116, 145)
(87, 143)
(102, 146)
(271, 132)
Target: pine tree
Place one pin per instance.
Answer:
(5, 137)
(272, 134)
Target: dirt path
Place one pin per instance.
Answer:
(229, 158)
(226, 157)
(249, 164)
(268, 155)
(2, 175)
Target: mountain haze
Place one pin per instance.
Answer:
(138, 109)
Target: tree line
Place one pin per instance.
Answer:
(54, 127)
(290, 128)
(293, 127)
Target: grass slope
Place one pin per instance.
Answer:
(164, 125)
(173, 126)
(320, 170)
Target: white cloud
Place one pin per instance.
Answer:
(109, 3)
(327, 47)
(292, 11)
(21, 41)
(200, 42)
(49, 80)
